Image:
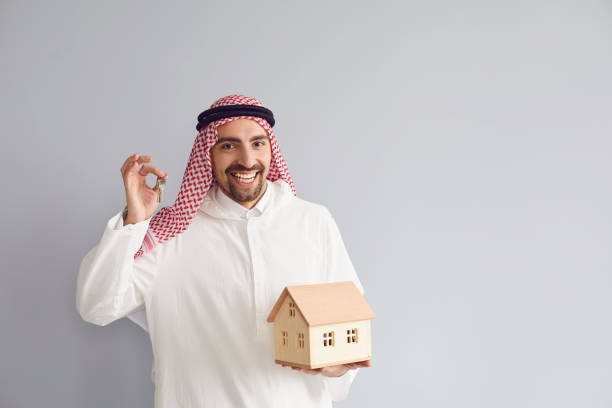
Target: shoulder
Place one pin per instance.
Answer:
(289, 204)
(301, 205)
(313, 212)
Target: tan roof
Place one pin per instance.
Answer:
(326, 303)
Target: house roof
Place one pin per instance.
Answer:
(326, 303)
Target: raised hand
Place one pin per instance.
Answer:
(141, 199)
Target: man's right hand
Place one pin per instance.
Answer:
(141, 199)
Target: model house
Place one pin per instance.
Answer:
(321, 325)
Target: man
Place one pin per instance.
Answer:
(208, 269)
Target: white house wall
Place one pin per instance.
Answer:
(341, 351)
(292, 325)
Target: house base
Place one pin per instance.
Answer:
(313, 367)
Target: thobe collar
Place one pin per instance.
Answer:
(214, 204)
(235, 208)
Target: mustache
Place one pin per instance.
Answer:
(238, 167)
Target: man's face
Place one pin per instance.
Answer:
(241, 160)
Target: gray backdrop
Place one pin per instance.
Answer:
(463, 148)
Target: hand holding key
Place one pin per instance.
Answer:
(142, 200)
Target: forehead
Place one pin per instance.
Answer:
(241, 128)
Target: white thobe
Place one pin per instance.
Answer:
(208, 291)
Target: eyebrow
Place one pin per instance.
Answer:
(237, 140)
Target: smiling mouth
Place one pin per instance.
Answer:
(244, 177)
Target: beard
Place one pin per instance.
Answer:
(245, 194)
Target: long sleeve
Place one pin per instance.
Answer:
(111, 284)
(339, 268)
(139, 316)
(339, 387)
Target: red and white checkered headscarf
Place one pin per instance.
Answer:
(198, 178)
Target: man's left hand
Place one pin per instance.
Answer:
(333, 371)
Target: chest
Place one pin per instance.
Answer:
(241, 261)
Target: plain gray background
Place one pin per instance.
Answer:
(463, 148)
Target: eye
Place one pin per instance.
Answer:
(227, 146)
(259, 143)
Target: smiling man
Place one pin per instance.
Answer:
(205, 272)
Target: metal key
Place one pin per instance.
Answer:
(161, 184)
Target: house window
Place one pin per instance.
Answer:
(291, 309)
(284, 338)
(299, 340)
(328, 339)
(352, 336)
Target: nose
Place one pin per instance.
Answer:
(248, 158)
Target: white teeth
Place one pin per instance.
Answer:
(244, 176)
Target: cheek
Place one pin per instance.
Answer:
(266, 158)
(219, 164)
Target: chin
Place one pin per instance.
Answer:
(245, 195)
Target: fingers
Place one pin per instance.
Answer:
(127, 163)
(149, 168)
(352, 366)
(308, 370)
(132, 162)
(332, 370)
(305, 370)
(131, 166)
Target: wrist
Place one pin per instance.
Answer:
(128, 219)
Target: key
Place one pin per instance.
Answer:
(161, 184)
